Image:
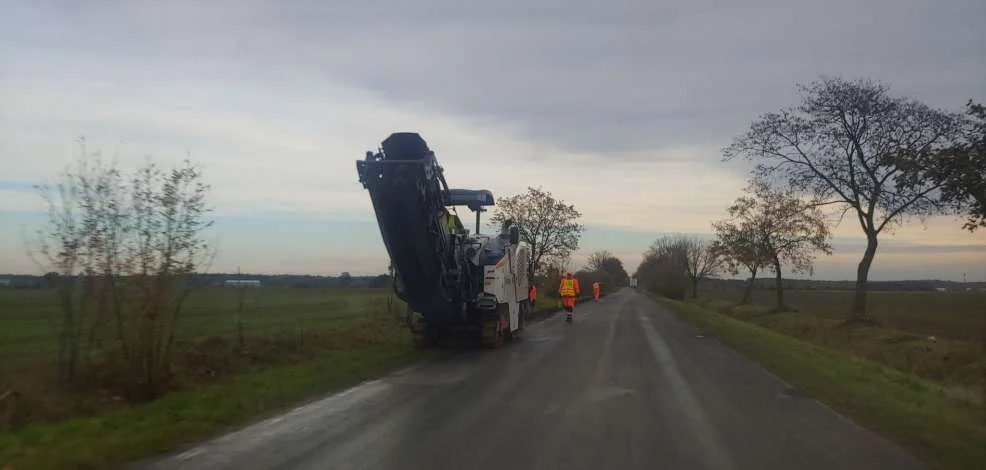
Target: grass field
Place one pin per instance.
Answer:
(117, 436)
(296, 342)
(955, 315)
(28, 317)
(955, 358)
(948, 433)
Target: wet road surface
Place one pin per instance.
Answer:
(627, 386)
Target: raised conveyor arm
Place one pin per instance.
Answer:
(409, 195)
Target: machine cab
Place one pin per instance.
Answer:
(474, 199)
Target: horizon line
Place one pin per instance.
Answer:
(629, 276)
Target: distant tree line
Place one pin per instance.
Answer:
(217, 279)
(383, 281)
(601, 266)
(918, 285)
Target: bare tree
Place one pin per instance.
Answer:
(607, 269)
(848, 143)
(76, 244)
(597, 259)
(550, 226)
(125, 253)
(696, 258)
(168, 218)
(770, 227)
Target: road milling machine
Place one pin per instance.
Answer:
(455, 283)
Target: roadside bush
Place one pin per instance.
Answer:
(662, 275)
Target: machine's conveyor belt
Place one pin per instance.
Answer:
(408, 193)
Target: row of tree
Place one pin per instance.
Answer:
(848, 146)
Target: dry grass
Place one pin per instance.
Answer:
(929, 334)
(959, 315)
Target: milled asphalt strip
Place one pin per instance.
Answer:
(697, 420)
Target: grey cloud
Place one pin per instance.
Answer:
(611, 78)
(587, 76)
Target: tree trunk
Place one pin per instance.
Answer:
(858, 313)
(749, 287)
(779, 285)
(695, 287)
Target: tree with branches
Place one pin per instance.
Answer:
(606, 268)
(697, 259)
(550, 226)
(769, 227)
(662, 272)
(125, 251)
(961, 169)
(853, 145)
(740, 248)
(597, 259)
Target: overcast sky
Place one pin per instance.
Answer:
(621, 108)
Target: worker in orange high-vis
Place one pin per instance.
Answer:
(568, 289)
(533, 294)
(595, 290)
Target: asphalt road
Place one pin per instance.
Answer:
(626, 386)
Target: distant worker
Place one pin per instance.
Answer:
(569, 290)
(595, 290)
(533, 294)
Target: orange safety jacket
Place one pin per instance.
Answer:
(569, 287)
(533, 294)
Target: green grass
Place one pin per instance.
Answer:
(955, 315)
(29, 317)
(298, 343)
(949, 433)
(111, 439)
(898, 342)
